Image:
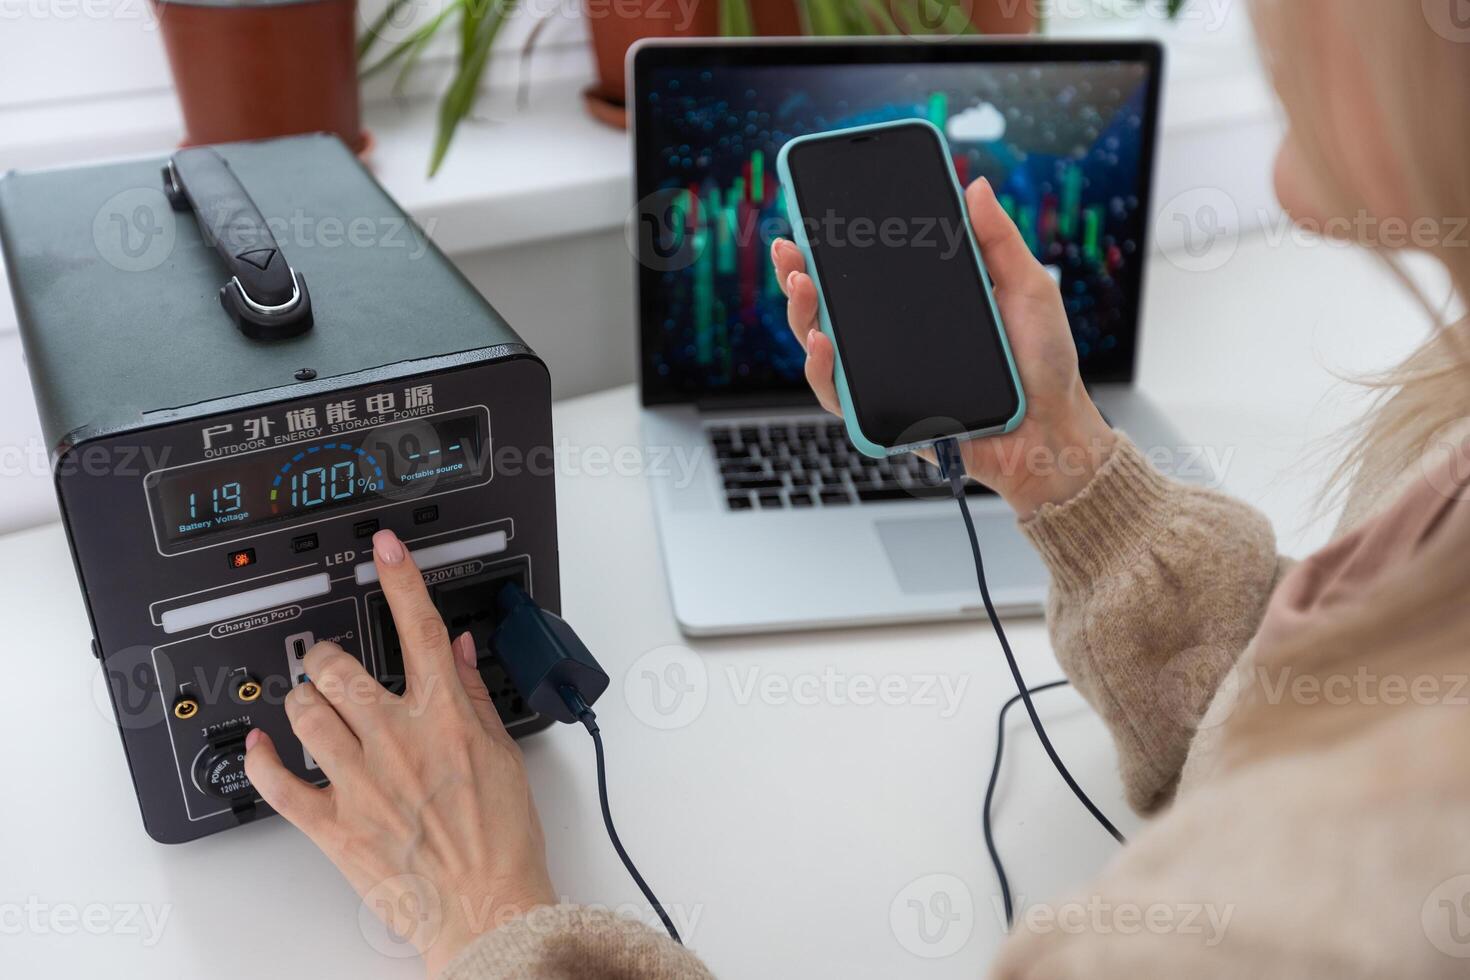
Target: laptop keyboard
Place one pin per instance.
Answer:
(804, 464)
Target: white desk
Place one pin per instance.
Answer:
(784, 831)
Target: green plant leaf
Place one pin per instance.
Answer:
(460, 97)
(419, 38)
(736, 19)
(881, 17)
(824, 17)
(371, 36)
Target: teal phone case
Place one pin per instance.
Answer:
(798, 230)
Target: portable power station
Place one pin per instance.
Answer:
(225, 441)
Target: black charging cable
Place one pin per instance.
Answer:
(986, 819)
(952, 468)
(588, 719)
(557, 676)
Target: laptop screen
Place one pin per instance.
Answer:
(1063, 131)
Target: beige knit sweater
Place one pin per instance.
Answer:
(1306, 858)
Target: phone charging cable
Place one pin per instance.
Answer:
(952, 468)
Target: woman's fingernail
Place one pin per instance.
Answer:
(466, 646)
(387, 547)
(252, 738)
(811, 338)
(791, 280)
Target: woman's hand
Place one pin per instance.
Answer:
(429, 814)
(1063, 440)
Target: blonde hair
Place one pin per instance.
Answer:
(1419, 78)
(1415, 618)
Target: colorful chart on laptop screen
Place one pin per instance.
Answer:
(1064, 144)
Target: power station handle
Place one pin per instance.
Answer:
(265, 297)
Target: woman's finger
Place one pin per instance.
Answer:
(305, 805)
(801, 305)
(341, 679)
(466, 663)
(787, 259)
(1007, 257)
(821, 361)
(427, 660)
(322, 731)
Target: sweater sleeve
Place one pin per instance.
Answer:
(1157, 588)
(575, 943)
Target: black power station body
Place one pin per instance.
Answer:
(225, 441)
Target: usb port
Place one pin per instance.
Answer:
(297, 644)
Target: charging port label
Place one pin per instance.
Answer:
(284, 614)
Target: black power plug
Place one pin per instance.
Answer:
(557, 676)
(544, 657)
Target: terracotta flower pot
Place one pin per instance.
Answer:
(614, 26)
(1004, 16)
(253, 69)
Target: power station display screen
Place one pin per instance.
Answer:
(392, 462)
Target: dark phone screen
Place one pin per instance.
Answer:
(905, 294)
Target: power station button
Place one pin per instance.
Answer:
(220, 771)
(306, 542)
(426, 515)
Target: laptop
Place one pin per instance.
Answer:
(777, 523)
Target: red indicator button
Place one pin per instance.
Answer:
(242, 559)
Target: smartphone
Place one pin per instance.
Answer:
(922, 354)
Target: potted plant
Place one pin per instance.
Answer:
(252, 69)
(614, 25)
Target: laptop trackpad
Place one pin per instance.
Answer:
(928, 555)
